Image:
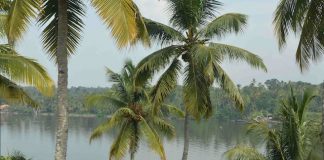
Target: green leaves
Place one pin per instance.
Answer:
(166, 83)
(243, 152)
(238, 54)
(19, 16)
(24, 70)
(196, 91)
(162, 33)
(191, 14)
(11, 92)
(306, 17)
(116, 119)
(155, 62)
(124, 20)
(49, 19)
(225, 24)
(152, 139)
(228, 85)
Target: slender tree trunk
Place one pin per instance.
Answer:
(322, 132)
(62, 83)
(186, 137)
(132, 156)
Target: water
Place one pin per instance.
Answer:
(35, 137)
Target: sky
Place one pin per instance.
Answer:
(98, 50)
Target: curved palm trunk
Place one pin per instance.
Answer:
(62, 62)
(186, 137)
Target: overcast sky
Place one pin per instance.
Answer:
(97, 49)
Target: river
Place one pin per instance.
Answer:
(35, 137)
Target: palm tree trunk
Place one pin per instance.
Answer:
(132, 156)
(322, 132)
(186, 137)
(62, 83)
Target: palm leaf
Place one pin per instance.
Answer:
(116, 120)
(19, 16)
(227, 23)
(124, 20)
(289, 15)
(243, 152)
(109, 100)
(162, 33)
(163, 126)
(166, 83)
(155, 62)
(49, 19)
(238, 54)
(190, 14)
(311, 46)
(24, 70)
(228, 85)
(196, 91)
(11, 92)
(152, 138)
(122, 143)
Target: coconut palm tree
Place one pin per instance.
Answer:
(132, 114)
(293, 139)
(62, 20)
(194, 25)
(16, 69)
(306, 18)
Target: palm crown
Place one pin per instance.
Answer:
(190, 39)
(132, 113)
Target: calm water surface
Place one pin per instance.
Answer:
(35, 137)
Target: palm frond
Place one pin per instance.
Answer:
(19, 16)
(163, 126)
(196, 91)
(115, 120)
(166, 83)
(238, 54)
(173, 110)
(152, 139)
(120, 84)
(12, 93)
(3, 22)
(24, 70)
(228, 86)
(289, 14)
(155, 62)
(222, 25)
(190, 14)
(109, 100)
(243, 152)
(5, 5)
(162, 33)
(311, 44)
(122, 143)
(123, 18)
(49, 19)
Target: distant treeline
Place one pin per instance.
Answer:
(259, 98)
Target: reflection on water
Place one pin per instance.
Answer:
(35, 137)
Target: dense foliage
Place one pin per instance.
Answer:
(259, 98)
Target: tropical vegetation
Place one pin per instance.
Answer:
(16, 70)
(14, 156)
(193, 25)
(132, 114)
(293, 138)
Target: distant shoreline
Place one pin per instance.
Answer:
(53, 114)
